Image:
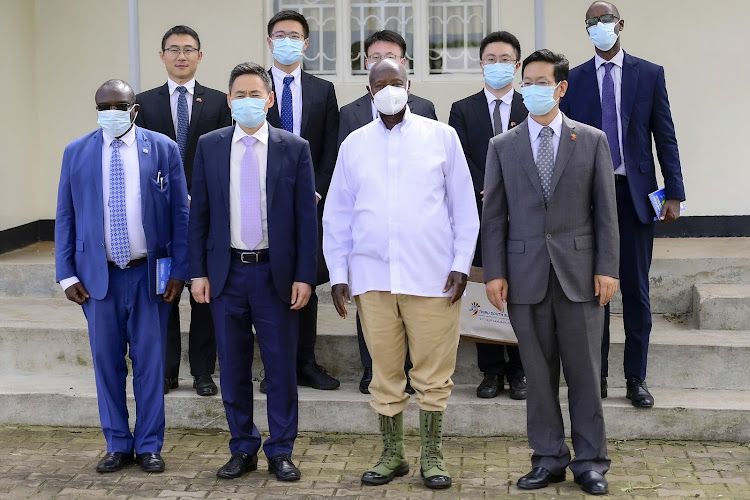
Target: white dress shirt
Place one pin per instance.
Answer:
(505, 103)
(235, 172)
(296, 88)
(400, 213)
(616, 73)
(174, 95)
(535, 128)
(136, 234)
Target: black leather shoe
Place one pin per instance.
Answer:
(282, 466)
(409, 389)
(263, 386)
(170, 383)
(592, 483)
(204, 385)
(239, 464)
(539, 477)
(490, 387)
(364, 384)
(114, 461)
(313, 375)
(604, 387)
(637, 393)
(517, 388)
(150, 462)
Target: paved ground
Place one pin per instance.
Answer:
(49, 462)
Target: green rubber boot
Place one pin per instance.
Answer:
(434, 472)
(392, 461)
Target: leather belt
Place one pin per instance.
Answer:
(132, 263)
(251, 256)
(621, 178)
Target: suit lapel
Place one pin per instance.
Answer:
(363, 111)
(145, 166)
(518, 111)
(522, 145)
(627, 91)
(273, 167)
(273, 116)
(222, 159)
(96, 153)
(564, 150)
(482, 113)
(306, 82)
(592, 88)
(195, 115)
(165, 111)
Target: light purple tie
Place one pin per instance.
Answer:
(252, 230)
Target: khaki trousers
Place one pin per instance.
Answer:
(430, 325)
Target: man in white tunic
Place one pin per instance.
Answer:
(399, 230)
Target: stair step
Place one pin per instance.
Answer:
(688, 414)
(722, 306)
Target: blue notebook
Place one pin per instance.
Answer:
(163, 271)
(657, 200)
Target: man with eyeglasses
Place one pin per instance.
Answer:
(626, 97)
(385, 44)
(550, 249)
(122, 204)
(305, 106)
(493, 110)
(183, 110)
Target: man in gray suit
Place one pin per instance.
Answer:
(550, 247)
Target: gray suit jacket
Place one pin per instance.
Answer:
(577, 232)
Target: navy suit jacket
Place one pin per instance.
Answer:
(644, 109)
(358, 113)
(471, 119)
(210, 111)
(79, 225)
(290, 202)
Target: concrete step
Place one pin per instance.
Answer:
(47, 335)
(686, 414)
(722, 306)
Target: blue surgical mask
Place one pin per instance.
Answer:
(287, 51)
(603, 36)
(499, 75)
(249, 111)
(539, 99)
(114, 122)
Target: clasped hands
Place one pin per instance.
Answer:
(604, 288)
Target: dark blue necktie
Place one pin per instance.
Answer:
(183, 122)
(287, 114)
(609, 115)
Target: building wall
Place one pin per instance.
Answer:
(57, 52)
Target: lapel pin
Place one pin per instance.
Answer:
(572, 137)
(512, 124)
(145, 150)
(199, 99)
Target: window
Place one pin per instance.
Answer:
(442, 36)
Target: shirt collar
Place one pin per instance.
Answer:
(507, 98)
(261, 134)
(617, 60)
(404, 121)
(535, 128)
(280, 74)
(128, 138)
(190, 86)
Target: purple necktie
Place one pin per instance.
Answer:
(609, 115)
(252, 230)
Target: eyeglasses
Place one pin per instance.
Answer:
(377, 57)
(541, 83)
(502, 60)
(606, 19)
(175, 51)
(122, 106)
(280, 35)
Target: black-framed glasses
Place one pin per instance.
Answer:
(502, 60)
(280, 35)
(606, 19)
(175, 51)
(379, 57)
(120, 106)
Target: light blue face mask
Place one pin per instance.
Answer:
(287, 51)
(499, 75)
(603, 35)
(249, 111)
(114, 122)
(539, 99)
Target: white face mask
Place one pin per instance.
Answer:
(390, 100)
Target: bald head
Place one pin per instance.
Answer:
(115, 91)
(597, 9)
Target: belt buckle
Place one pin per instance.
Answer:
(254, 259)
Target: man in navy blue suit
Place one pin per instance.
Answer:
(626, 97)
(122, 204)
(253, 251)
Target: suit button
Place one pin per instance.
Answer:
(548, 236)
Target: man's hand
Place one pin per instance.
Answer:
(497, 292)
(300, 295)
(77, 293)
(457, 281)
(172, 290)
(340, 295)
(200, 288)
(670, 210)
(604, 288)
